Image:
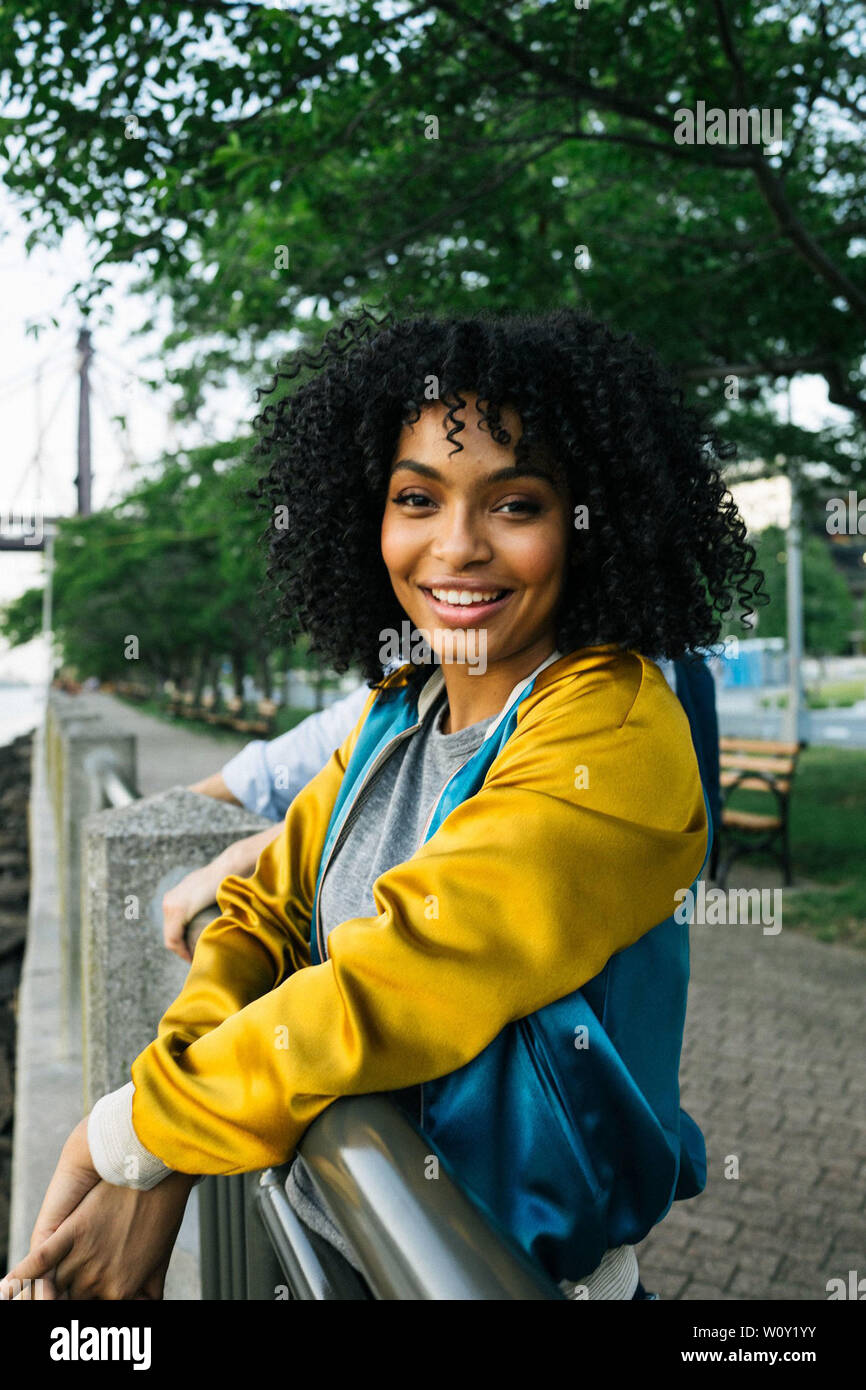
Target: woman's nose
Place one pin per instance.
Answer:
(460, 539)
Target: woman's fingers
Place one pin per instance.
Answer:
(38, 1263)
(154, 1287)
(177, 911)
(37, 1291)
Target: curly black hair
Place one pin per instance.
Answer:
(664, 557)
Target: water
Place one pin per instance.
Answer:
(21, 708)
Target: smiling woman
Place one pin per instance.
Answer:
(471, 906)
(590, 418)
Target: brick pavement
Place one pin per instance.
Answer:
(773, 1072)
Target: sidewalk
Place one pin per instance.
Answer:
(773, 1073)
(169, 754)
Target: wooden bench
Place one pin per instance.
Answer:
(182, 707)
(750, 764)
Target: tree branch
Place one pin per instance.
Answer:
(773, 366)
(775, 197)
(610, 99)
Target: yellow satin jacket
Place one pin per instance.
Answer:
(588, 820)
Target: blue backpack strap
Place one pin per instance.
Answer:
(696, 691)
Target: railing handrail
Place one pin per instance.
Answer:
(110, 786)
(415, 1232)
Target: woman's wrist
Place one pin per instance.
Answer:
(76, 1149)
(241, 857)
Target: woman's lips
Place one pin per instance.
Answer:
(468, 614)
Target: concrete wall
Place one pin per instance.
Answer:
(125, 859)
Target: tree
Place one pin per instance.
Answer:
(167, 582)
(828, 608)
(267, 166)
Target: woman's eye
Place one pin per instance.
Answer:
(517, 506)
(406, 498)
(521, 505)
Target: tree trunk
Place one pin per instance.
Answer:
(238, 665)
(201, 668)
(266, 675)
(319, 687)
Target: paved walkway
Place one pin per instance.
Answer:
(772, 1072)
(169, 754)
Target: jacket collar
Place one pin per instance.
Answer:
(433, 686)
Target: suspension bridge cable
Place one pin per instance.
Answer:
(120, 432)
(14, 386)
(40, 439)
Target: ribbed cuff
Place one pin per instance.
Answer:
(117, 1153)
(615, 1278)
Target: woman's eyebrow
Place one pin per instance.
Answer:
(520, 470)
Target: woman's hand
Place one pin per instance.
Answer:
(116, 1245)
(199, 889)
(181, 903)
(73, 1178)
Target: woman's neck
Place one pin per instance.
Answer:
(474, 695)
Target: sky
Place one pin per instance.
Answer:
(38, 417)
(38, 420)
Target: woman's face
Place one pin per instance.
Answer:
(472, 540)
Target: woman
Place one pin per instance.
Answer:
(470, 906)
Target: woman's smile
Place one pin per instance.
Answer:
(460, 605)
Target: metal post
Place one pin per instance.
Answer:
(48, 603)
(265, 1280)
(82, 480)
(209, 1238)
(236, 1184)
(795, 727)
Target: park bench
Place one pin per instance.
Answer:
(232, 718)
(763, 766)
(130, 690)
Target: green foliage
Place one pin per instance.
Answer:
(21, 619)
(177, 565)
(828, 609)
(263, 126)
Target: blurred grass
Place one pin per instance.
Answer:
(286, 718)
(836, 695)
(828, 834)
(828, 695)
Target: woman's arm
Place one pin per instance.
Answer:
(266, 775)
(235, 961)
(215, 786)
(224, 978)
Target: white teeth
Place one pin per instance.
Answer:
(464, 596)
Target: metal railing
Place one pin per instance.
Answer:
(415, 1237)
